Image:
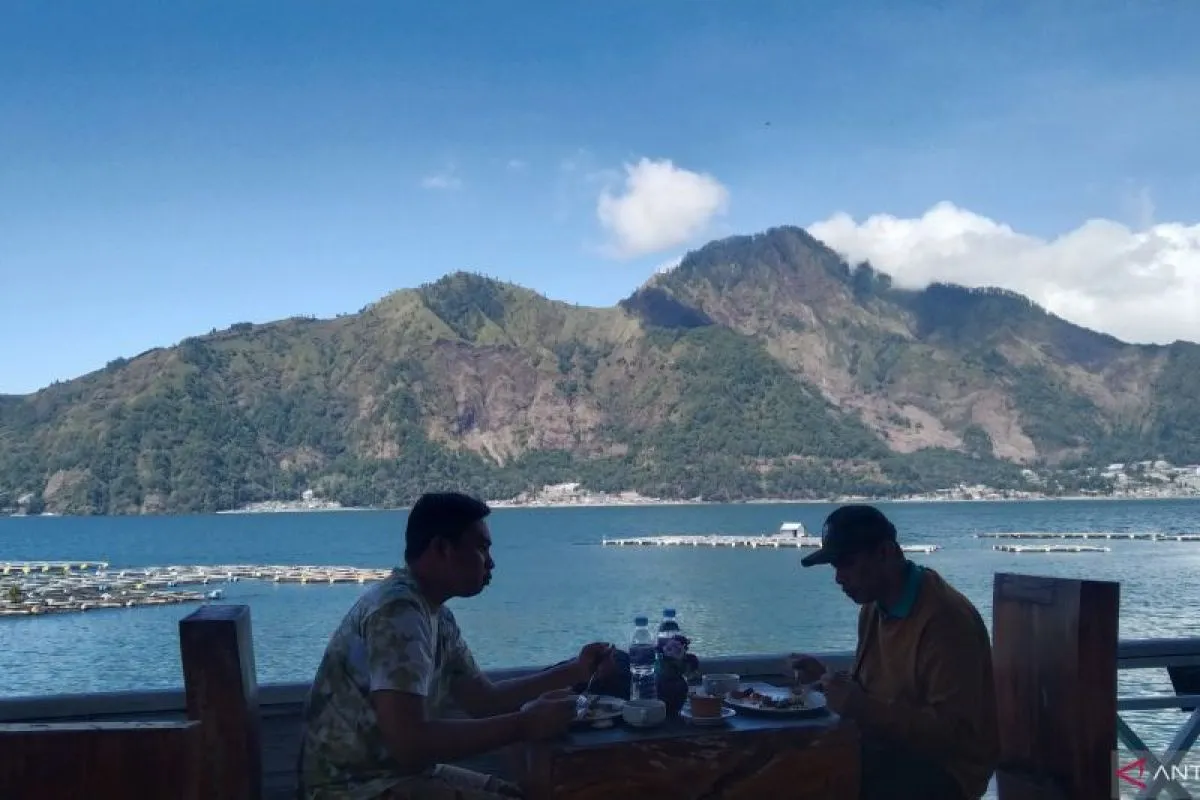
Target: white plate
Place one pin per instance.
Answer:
(604, 711)
(726, 713)
(815, 705)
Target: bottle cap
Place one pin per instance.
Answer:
(641, 621)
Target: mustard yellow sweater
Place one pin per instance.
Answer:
(928, 681)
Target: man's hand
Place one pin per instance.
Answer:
(596, 657)
(482, 698)
(805, 668)
(842, 692)
(548, 716)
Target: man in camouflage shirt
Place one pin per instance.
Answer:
(372, 726)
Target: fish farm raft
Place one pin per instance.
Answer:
(751, 541)
(55, 587)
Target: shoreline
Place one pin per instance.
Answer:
(827, 502)
(290, 510)
(505, 505)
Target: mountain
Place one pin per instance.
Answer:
(761, 366)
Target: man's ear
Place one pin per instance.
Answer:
(439, 546)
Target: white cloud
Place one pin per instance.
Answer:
(659, 207)
(516, 164)
(1139, 285)
(446, 180)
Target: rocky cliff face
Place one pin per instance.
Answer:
(935, 368)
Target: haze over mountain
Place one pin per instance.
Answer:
(760, 366)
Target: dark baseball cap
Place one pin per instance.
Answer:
(850, 530)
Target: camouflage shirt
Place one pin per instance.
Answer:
(391, 639)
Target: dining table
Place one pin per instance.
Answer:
(749, 756)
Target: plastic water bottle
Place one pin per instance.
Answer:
(641, 662)
(669, 626)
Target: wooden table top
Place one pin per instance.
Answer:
(678, 727)
(749, 756)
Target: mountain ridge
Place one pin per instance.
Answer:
(761, 365)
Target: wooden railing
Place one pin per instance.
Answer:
(281, 698)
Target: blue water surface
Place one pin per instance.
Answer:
(555, 587)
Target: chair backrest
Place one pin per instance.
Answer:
(216, 753)
(1054, 643)
(150, 760)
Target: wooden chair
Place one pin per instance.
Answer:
(215, 753)
(1054, 651)
(100, 760)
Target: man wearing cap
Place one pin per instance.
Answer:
(921, 690)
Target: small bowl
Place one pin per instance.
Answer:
(644, 713)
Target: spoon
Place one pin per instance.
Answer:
(587, 699)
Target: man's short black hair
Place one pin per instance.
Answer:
(444, 514)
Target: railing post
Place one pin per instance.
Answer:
(222, 693)
(1055, 663)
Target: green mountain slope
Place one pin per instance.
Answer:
(761, 366)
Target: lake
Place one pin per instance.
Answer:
(555, 587)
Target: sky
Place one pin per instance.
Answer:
(170, 168)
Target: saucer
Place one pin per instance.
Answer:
(726, 714)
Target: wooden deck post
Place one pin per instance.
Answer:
(1054, 644)
(222, 693)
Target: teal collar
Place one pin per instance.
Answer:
(912, 587)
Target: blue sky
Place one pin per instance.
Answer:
(168, 168)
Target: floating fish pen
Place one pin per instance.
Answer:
(714, 540)
(1049, 548)
(751, 541)
(28, 567)
(52, 600)
(49, 587)
(1111, 536)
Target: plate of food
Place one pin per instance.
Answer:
(777, 701)
(602, 712)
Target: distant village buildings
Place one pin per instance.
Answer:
(1145, 474)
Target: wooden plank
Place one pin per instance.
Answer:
(1055, 660)
(281, 752)
(100, 760)
(221, 688)
(678, 762)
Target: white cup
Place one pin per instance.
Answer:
(644, 713)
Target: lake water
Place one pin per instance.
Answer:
(555, 587)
